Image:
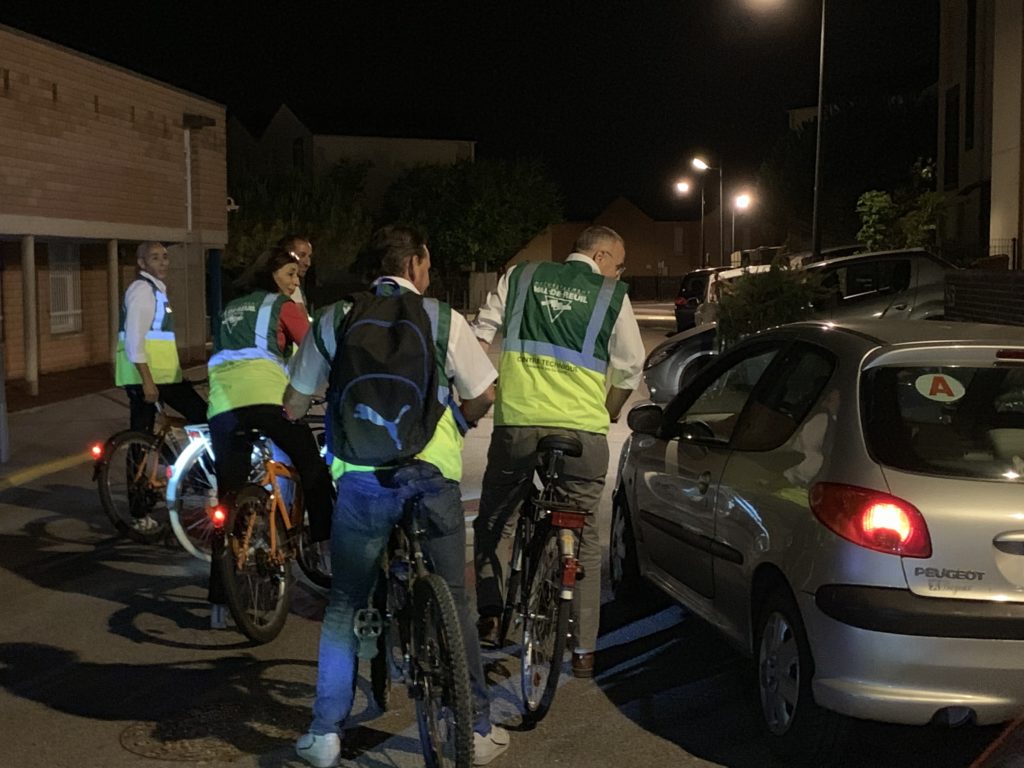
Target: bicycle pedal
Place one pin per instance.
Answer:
(367, 627)
(218, 616)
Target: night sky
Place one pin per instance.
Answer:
(614, 97)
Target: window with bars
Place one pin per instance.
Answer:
(65, 288)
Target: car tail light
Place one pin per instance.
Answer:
(218, 516)
(872, 519)
(680, 301)
(1010, 354)
(96, 450)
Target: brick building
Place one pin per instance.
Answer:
(93, 160)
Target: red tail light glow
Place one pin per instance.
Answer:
(96, 450)
(872, 519)
(680, 301)
(218, 516)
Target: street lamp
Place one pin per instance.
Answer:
(683, 188)
(702, 166)
(815, 229)
(739, 203)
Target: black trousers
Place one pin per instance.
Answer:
(181, 397)
(230, 433)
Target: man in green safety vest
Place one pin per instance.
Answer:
(146, 360)
(571, 356)
(371, 499)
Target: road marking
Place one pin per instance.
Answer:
(27, 475)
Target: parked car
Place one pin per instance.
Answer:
(676, 360)
(845, 503)
(692, 292)
(908, 284)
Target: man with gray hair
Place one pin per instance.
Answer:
(571, 356)
(146, 361)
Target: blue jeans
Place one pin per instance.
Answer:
(369, 505)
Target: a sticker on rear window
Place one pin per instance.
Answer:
(940, 387)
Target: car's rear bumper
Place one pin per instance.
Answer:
(900, 677)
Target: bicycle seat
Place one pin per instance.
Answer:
(569, 446)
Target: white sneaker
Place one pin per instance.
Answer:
(144, 524)
(319, 749)
(486, 748)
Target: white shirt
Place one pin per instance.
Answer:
(466, 364)
(140, 309)
(625, 347)
(298, 296)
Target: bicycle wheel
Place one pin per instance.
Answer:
(191, 494)
(545, 628)
(515, 578)
(255, 575)
(132, 481)
(444, 706)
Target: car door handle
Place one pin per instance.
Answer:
(703, 482)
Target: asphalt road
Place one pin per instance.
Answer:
(106, 658)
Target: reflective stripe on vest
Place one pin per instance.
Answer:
(254, 374)
(543, 382)
(444, 449)
(160, 346)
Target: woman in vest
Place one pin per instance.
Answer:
(248, 376)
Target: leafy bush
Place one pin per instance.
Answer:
(757, 301)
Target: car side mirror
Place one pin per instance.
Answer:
(645, 419)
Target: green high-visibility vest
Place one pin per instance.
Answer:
(249, 366)
(160, 347)
(444, 450)
(554, 360)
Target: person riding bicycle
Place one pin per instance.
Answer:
(372, 495)
(146, 362)
(571, 356)
(248, 376)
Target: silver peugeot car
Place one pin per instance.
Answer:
(845, 503)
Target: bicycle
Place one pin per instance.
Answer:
(257, 537)
(192, 486)
(542, 578)
(131, 472)
(415, 626)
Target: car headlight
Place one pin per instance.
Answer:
(660, 355)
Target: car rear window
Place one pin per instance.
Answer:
(953, 421)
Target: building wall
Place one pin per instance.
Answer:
(1007, 94)
(98, 151)
(92, 153)
(964, 151)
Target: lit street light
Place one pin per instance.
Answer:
(702, 166)
(739, 203)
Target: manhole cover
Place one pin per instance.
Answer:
(223, 731)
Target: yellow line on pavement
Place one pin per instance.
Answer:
(27, 475)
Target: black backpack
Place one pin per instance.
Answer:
(383, 386)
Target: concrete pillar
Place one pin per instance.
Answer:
(30, 313)
(113, 296)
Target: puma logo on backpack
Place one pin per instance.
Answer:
(383, 386)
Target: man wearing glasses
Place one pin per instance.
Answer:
(571, 356)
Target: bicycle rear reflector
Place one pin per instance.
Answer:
(218, 516)
(97, 450)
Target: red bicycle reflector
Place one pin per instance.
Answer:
(872, 519)
(96, 450)
(218, 516)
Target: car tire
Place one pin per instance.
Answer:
(623, 562)
(797, 729)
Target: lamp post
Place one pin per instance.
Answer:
(815, 229)
(739, 203)
(701, 165)
(683, 188)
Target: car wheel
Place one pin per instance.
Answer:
(798, 729)
(624, 566)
